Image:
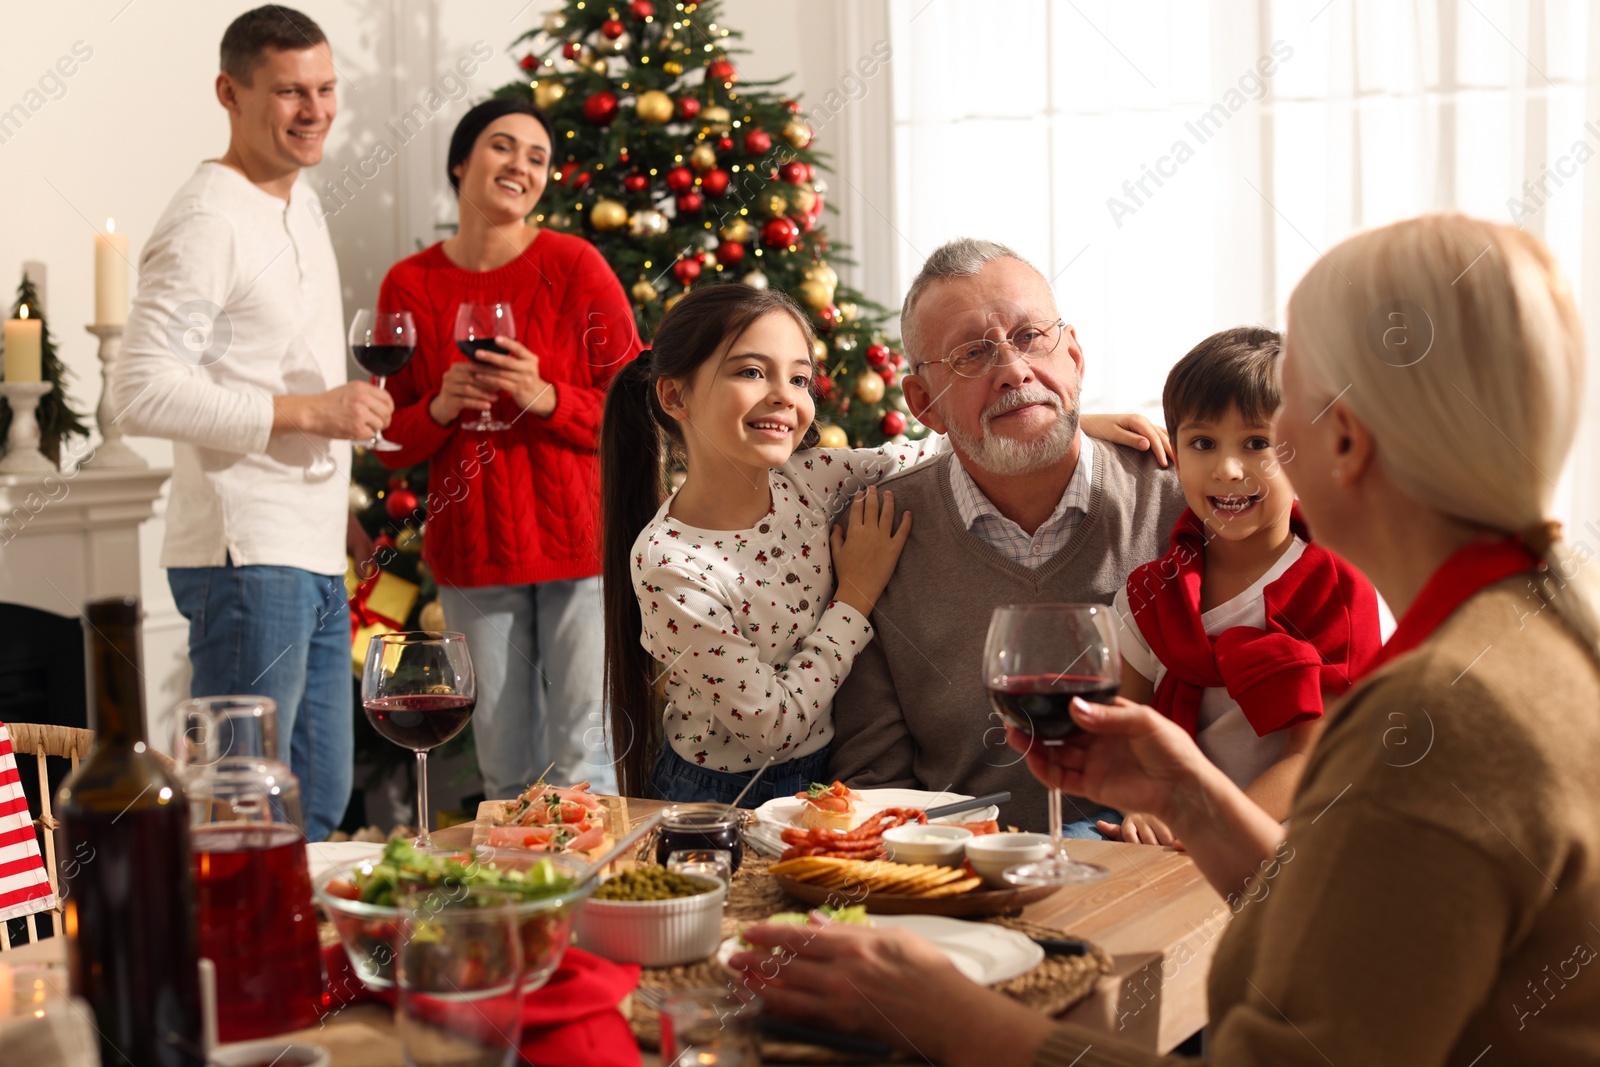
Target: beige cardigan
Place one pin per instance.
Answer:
(1438, 899)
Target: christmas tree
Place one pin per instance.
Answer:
(57, 420)
(683, 175)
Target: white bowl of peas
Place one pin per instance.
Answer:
(653, 917)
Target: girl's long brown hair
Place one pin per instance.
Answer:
(636, 439)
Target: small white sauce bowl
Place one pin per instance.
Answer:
(992, 854)
(944, 846)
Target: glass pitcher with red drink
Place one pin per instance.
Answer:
(253, 888)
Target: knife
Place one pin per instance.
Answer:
(966, 805)
(1062, 946)
(832, 1039)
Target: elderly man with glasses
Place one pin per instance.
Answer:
(1023, 509)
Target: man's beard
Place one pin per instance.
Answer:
(1006, 456)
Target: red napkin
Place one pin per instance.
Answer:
(572, 1022)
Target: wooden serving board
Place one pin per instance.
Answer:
(616, 813)
(977, 902)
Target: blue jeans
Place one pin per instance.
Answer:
(284, 633)
(539, 654)
(678, 780)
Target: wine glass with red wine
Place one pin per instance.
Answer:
(477, 325)
(382, 343)
(419, 690)
(1038, 657)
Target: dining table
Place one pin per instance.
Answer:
(1153, 913)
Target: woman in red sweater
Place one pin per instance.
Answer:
(513, 520)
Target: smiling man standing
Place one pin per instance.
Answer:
(235, 352)
(1024, 509)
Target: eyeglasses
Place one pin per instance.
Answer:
(1032, 341)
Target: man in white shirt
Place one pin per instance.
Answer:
(235, 351)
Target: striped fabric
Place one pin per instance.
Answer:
(24, 884)
(985, 522)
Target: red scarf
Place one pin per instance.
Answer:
(1457, 580)
(1321, 633)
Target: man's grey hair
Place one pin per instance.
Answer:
(960, 258)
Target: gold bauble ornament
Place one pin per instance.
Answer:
(594, 64)
(617, 46)
(643, 292)
(608, 215)
(775, 205)
(654, 107)
(804, 199)
(432, 616)
(648, 223)
(737, 230)
(798, 134)
(360, 497)
(822, 272)
(755, 280)
(554, 23)
(560, 221)
(672, 67)
(704, 157)
(819, 349)
(814, 295)
(717, 118)
(672, 301)
(548, 93)
(831, 436)
(869, 387)
(409, 541)
(849, 312)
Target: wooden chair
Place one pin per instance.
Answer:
(38, 741)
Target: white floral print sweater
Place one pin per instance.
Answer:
(751, 643)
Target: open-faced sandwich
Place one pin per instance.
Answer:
(550, 819)
(829, 807)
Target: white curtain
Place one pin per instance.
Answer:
(1176, 166)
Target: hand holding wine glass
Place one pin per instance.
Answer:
(382, 343)
(477, 326)
(418, 689)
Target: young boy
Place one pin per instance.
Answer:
(1240, 630)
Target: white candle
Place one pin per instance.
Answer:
(110, 277)
(23, 349)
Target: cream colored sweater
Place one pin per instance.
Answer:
(1439, 899)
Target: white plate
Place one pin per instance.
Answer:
(780, 813)
(323, 856)
(985, 953)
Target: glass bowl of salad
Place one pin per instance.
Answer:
(361, 899)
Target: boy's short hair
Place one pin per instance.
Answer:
(1235, 368)
(272, 26)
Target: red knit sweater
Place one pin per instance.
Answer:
(520, 505)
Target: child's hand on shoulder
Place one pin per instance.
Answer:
(1140, 829)
(1130, 431)
(866, 548)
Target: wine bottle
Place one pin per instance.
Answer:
(132, 938)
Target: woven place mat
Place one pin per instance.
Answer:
(1054, 985)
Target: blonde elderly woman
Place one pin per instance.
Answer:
(1432, 902)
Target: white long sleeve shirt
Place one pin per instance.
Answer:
(238, 302)
(743, 622)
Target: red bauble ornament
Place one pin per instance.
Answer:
(897, 359)
(601, 107)
(529, 62)
(642, 9)
(724, 145)
(893, 423)
(690, 203)
(400, 503)
(756, 142)
(573, 178)
(636, 183)
(816, 207)
(688, 107)
(792, 105)
(877, 356)
(704, 258)
(721, 72)
(829, 316)
(824, 386)
(887, 374)
(572, 49)
(613, 28)
(680, 179)
(686, 271)
(780, 232)
(715, 181)
(805, 222)
(730, 253)
(795, 173)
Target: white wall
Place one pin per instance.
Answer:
(123, 131)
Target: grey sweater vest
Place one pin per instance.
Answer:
(913, 712)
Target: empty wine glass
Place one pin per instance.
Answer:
(418, 689)
(382, 342)
(1037, 658)
(477, 325)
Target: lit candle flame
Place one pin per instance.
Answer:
(111, 225)
(23, 313)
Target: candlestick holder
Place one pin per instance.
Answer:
(22, 443)
(113, 453)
